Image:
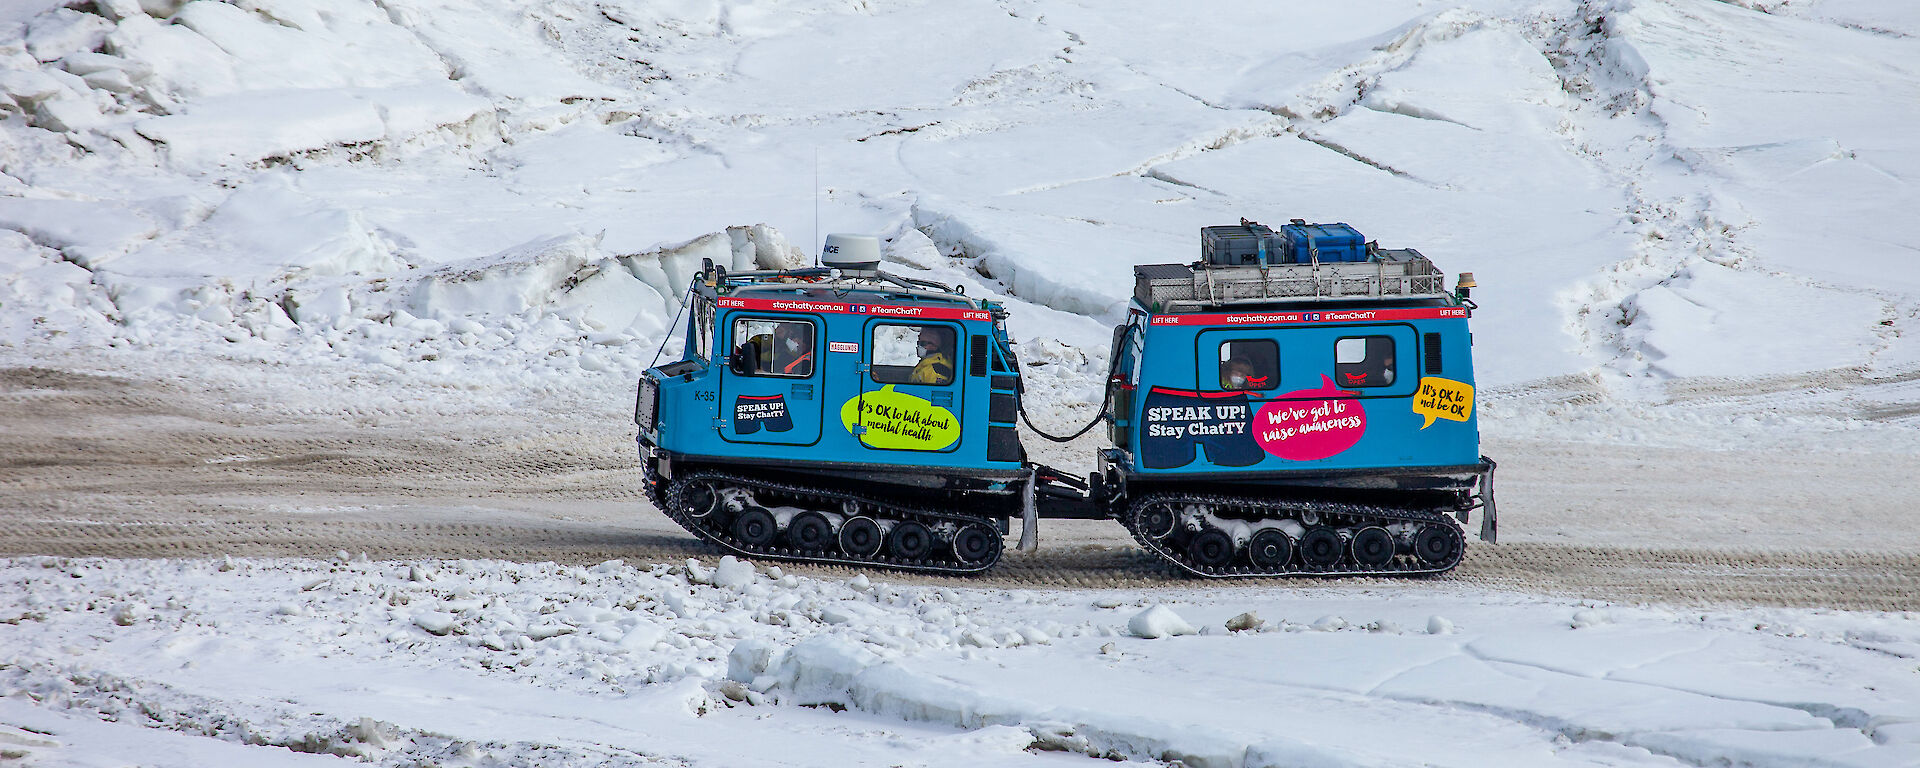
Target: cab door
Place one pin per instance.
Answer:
(910, 389)
(770, 388)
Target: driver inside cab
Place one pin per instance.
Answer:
(786, 352)
(936, 358)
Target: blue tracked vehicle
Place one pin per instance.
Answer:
(1297, 402)
(838, 414)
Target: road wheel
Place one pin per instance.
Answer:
(909, 541)
(973, 544)
(1270, 549)
(755, 528)
(810, 532)
(1211, 548)
(1434, 544)
(1372, 547)
(860, 537)
(1321, 547)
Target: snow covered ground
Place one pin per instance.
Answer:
(244, 662)
(1691, 222)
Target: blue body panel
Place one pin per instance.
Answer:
(1182, 423)
(708, 412)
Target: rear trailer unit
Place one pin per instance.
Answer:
(1308, 411)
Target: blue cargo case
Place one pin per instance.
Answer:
(1335, 242)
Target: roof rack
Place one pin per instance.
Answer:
(835, 281)
(1386, 274)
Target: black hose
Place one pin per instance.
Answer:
(688, 299)
(1075, 435)
(1113, 367)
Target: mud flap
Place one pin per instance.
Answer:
(1489, 521)
(1029, 515)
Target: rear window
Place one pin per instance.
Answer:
(1364, 361)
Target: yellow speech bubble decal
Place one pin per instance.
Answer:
(900, 422)
(1444, 399)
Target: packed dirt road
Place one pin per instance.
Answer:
(98, 465)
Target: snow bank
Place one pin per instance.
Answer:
(298, 178)
(833, 671)
(276, 124)
(259, 125)
(1484, 76)
(1710, 320)
(1781, 218)
(1068, 266)
(326, 281)
(215, 84)
(86, 232)
(628, 293)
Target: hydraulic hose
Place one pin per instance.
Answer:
(1106, 400)
(687, 299)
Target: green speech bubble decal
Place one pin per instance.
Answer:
(900, 422)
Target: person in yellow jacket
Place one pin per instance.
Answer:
(936, 358)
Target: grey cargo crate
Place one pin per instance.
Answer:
(1391, 274)
(1242, 245)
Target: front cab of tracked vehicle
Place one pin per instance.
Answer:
(1311, 380)
(843, 380)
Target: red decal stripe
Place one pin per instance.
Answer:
(1157, 390)
(1316, 316)
(877, 310)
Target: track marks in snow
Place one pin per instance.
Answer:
(121, 467)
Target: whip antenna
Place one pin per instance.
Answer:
(816, 207)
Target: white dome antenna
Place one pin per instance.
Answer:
(851, 253)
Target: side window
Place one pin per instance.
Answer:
(774, 347)
(702, 329)
(1364, 361)
(912, 354)
(1250, 364)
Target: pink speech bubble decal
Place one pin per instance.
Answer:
(1310, 424)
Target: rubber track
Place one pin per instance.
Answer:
(828, 499)
(1358, 515)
